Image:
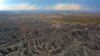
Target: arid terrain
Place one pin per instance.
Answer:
(49, 34)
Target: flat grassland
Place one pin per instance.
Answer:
(77, 18)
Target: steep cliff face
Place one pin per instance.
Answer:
(49, 39)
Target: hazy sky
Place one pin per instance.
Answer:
(49, 4)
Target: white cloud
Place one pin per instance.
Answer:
(27, 6)
(63, 6)
(67, 7)
(21, 6)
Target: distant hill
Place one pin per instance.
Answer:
(46, 11)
